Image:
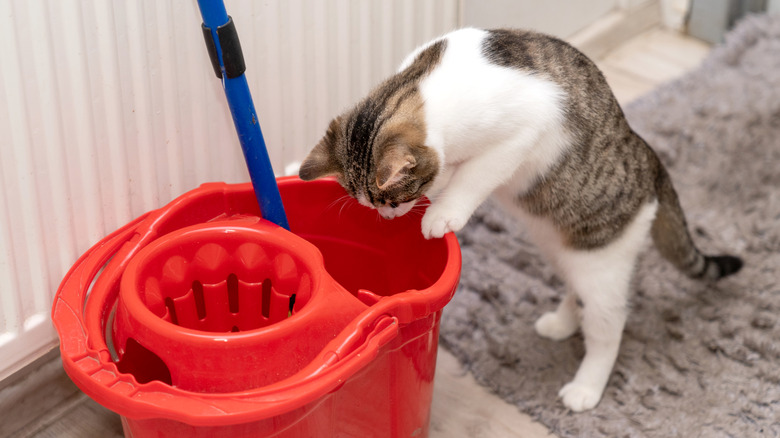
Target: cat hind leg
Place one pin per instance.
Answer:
(601, 280)
(563, 322)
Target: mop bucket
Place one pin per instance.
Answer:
(201, 319)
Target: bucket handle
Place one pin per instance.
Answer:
(359, 348)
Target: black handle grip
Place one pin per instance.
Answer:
(232, 56)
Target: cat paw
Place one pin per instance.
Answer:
(435, 224)
(553, 326)
(579, 397)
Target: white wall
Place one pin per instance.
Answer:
(111, 108)
(561, 18)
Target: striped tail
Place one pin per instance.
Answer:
(671, 237)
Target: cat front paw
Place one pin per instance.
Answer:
(437, 223)
(580, 397)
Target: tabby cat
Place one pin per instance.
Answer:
(526, 118)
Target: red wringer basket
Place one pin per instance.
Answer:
(201, 319)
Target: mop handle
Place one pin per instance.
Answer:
(228, 62)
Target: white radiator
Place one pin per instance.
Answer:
(109, 109)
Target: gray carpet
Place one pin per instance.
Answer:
(696, 360)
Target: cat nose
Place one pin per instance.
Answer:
(386, 213)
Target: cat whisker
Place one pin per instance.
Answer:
(343, 199)
(343, 206)
(342, 202)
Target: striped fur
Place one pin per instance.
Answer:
(386, 138)
(530, 120)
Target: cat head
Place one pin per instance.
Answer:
(389, 169)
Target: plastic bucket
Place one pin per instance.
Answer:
(201, 319)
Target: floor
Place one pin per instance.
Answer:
(648, 60)
(462, 408)
(44, 403)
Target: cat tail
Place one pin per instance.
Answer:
(671, 237)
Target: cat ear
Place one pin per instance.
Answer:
(322, 161)
(394, 166)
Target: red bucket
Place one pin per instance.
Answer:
(201, 319)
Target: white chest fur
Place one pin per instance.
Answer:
(473, 107)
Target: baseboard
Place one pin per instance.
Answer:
(22, 369)
(615, 28)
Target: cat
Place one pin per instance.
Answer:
(530, 120)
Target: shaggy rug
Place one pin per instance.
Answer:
(697, 360)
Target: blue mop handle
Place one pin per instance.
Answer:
(228, 63)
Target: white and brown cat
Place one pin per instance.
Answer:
(530, 120)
